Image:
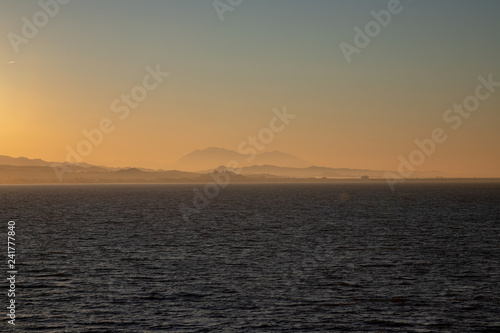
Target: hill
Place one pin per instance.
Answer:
(213, 157)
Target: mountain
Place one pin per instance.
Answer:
(22, 161)
(35, 171)
(280, 159)
(28, 162)
(320, 172)
(213, 157)
(209, 158)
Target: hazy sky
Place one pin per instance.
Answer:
(225, 78)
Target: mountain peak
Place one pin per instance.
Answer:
(213, 157)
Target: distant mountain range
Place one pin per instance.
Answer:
(323, 172)
(27, 162)
(286, 168)
(22, 161)
(213, 157)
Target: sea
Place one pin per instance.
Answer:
(339, 257)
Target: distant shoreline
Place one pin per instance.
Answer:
(273, 181)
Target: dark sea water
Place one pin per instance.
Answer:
(259, 258)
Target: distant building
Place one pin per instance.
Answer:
(365, 177)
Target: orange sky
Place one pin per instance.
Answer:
(226, 77)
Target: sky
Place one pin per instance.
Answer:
(229, 67)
